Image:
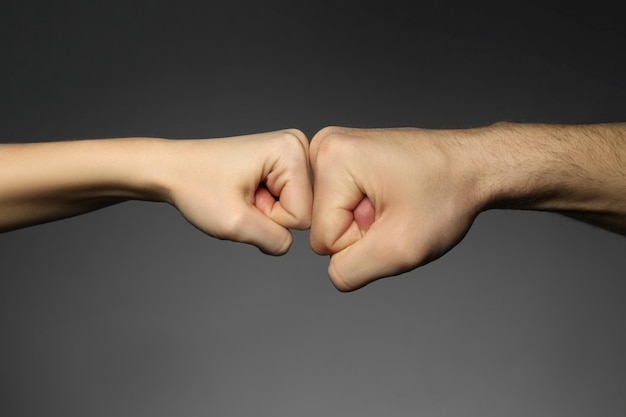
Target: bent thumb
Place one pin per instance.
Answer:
(383, 251)
(259, 230)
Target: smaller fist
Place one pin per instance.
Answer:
(249, 189)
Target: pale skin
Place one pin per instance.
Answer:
(390, 200)
(386, 200)
(249, 189)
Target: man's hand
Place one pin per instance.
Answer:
(389, 200)
(249, 189)
(386, 201)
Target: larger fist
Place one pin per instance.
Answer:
(386, 201)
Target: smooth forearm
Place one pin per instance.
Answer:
(577, 170)
(248, 189)
(41, 182)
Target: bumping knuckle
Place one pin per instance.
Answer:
(292, 140)
(326, 140)
(327, 131)
(292, 148)
(294, 134)
(332, 148)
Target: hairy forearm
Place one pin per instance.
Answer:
(41, 182)
(576, 170)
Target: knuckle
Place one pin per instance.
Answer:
(282, 248)
(293, 137)
(294, 134)
(327, 131)
(404, 255)
(341, 281)
(302, 222)
(293, 143)
(318, 245)
(329, 144)
(322, 137)
(233, 226)
(298, 215)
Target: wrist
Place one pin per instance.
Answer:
(505, 166)
(118, 169)
(543, 167)
(470, 166)
(149, 168)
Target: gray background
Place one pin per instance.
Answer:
(130, 311)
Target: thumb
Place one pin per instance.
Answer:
(334, 225)
(383, 251)
(257, 229)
